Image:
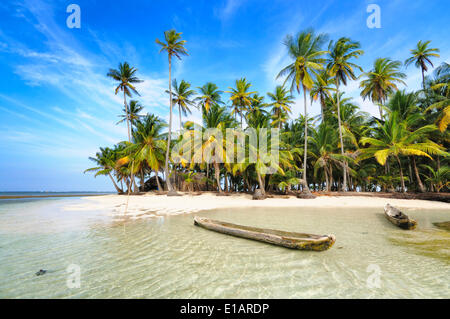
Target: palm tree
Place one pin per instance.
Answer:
(440, 91)
(325, 152)
(134, 109)
(393, 138)
(215, 144)
(438, 178)
(182, 95)
(381, 81)
(209, 94)
(240, 97)
(421, 56)
(148, 147)
(281, 104)
(340, 67)
(305, 50)
(321, 90)
(126, 77)
(174, 46)
(105, 161)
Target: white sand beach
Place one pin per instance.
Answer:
(153, 206)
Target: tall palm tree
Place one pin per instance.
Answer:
(209, 94)
(281, 104)
(322, 89)
(134, 109)
(421, 56)
(182, 97)
(392, 138)
(241, 97)
(126, 76)
(339, 66)
(381, 81)
(305, 51)
(174, 46)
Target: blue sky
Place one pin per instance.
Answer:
(57, 106)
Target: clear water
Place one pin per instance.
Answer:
(171, 258)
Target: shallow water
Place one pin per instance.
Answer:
(171, 258)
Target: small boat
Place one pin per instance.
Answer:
(399, 219)
(276, 237)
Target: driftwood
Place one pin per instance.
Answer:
(276, 237)
(399, 219)
(442, 197)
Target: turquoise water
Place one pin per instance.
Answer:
(171, 258)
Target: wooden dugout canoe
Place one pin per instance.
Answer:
(276, 237)
(396, 217)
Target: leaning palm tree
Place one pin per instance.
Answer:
(241, 97)
(392, 138)
(182, 97)
(339, 66)
(305, 50)
(105, 161)
(281, 104)
(174, 46)
(134, 109)
(421, 56)
(209, 94)
(381, 81)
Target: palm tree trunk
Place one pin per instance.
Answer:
(401, 175)
(416, 172)
(115, 185)
(217, 173)
(179, 112)
(423, 79)
(260, 182)
(129, 140)
(142, 179)
(305, 185)
(207, 176)
(128, 116)
(226, 182)
(166, 166)
(344, 164)
(157, 181)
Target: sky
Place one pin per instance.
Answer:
(58, 107)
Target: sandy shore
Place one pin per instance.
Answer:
(152, 205)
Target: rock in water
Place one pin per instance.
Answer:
(41, 272)
(258, 195)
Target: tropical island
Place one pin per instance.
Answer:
(401, 153)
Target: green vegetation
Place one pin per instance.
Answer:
(342, 149)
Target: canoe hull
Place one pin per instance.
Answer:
(404, 223)
(279, 238)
